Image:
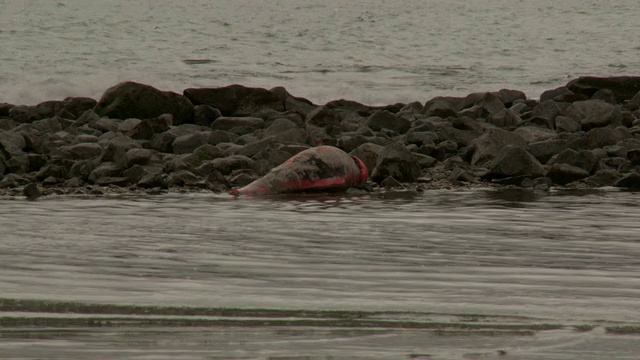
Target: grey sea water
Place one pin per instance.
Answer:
(373, 51)
(433, 275)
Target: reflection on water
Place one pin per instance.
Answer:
(569, 259)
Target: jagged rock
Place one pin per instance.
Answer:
(445, 149)
(368, 153)
(488, 144)
(278, 126)
(623, 87)
(323, 116)
(629, 181)
(514, 161)
(153, 181)
(84, 138)
(563, 174)
(504, 118)
(601, 137)
(13, 181)
(207, 152)
(83, 168)
(134, 100)
(611, 117)
(185, 144)
(566, 124)
(552, 94)
(136, 172)
(509, 96)
(115, 149)
(605, 95)
(82, 151)
(441, 107)
(391, 182)
(12, 142)
(216, 137)
(182, 178)
(548, 110)
(533, 134)
(395, 160)
(238, 100)
(385, 120)
(604, 177)
(583, 159)
(228, 123)
(163, 142)
(460, 137)
(149, 127)
(544, 150)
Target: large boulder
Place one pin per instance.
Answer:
(513, 161)
(562, 174)
(238, 100)
(601, 137)
(395, 160)
(134, 100)
(485, 148)
(368, 153)
(623, 87)
(385, 120)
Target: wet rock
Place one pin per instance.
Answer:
(563, 174)
(31, 191)
(13, 181)
(514, 161)
(623, 87)
(386, 120)
(488, 144)
(228, 123)
(544, 150)
(395, 160)
(182, 178)
(134, 100)
(82, 151)
(368, 153)
(489, 102)
(238, 100)
(185, 144)
(136, 172)
(390, 182)
(153, 181)
(629, 181)
(149, 127)
(604, 177)
(242, 177)
(566, 124)
(583, 159)
(83, 168)
(105, 169)
(504, 118)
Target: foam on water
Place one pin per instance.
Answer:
(374, 51)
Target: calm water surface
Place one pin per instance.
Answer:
(433, 275)
(373, 51)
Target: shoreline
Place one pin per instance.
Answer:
(140, 140)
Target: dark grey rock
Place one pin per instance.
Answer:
(385, 120)
(604, 177)
(391, 182)
(563, 174)
(566, 124)
(12, 142)
(488, 144)
(84, 138)
(552, 94)
(421, 137)
(504, 118)
(82, 151)
(205, 115)
(461, 137)
(601, 137)
(611, 117)
(278, 126)
(105, 124)
(216, 137)
(548, 110)
(323, 116)
(153, 181)
(31, 191)
(182, 178)
(163, 142)
(513, 161)
(225, 165)
(605, 95)
(238, 100)
(147, 128)
(115, 149)
(368, 153)
(395, 160)
(584, 159)
(83, 168)
(228, 123)
(13, 181)
(544, 150)
(580, 110)
(133, 100)
(137, 156)
(442, 107)
(104, 170)
(532, 134)
(187, 143)
(623, 87)
(445, 149)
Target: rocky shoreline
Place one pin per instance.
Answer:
(138, 139)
